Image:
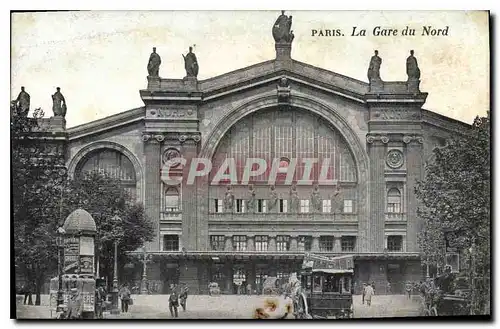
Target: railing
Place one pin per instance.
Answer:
(169, 216)
(277, 217)
(395, 216)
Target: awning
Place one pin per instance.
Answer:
(332, 270)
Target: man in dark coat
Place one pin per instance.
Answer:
(173, 303)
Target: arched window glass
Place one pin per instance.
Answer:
(394, 201)
(171, 199)
(113, 163)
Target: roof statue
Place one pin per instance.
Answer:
(412, 69)
(23, 102)
(59, 106)
(282, 32)
(374, 68)
(154, 64)
(191, 64)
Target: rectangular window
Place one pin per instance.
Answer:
(218, 205)
(239, 242)
(282, 243)
(171, 242)
(304, 206)
(218, 242)
(239, 205)
(327, 206)
(348, 206)
(304, 243)
(395, 243)
(261, 205)
(283, 206)
(326, 243)
(261, 243)
(348, 243)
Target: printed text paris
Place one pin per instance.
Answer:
(380, 31)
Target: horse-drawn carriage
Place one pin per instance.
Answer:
(326, 288)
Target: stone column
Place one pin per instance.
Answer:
(315, 243)
(377, 153)
(415, 171)
(250, 242)
(293, 243)
(190, 230)
(337, 248)
(152, 191)
(229, 243)
(272, 243)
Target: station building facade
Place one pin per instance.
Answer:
(376, 137)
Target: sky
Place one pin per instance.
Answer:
(99, 58)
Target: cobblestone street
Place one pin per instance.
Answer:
(231, 307)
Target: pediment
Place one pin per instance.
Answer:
(108, 123)
(255, 76)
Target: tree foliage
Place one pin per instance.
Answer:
(42, 197)
(118, 218)
(37, 176)
(455, 199)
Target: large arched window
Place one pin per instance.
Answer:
(113, 163)
(171, 199)
(293, 134)
(394, 200)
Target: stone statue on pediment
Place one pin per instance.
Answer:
(282, 32)
(294, 199)
(228, 200)
(412, 69)
(374, 67)
(337, 200)
(23, 102)
(251, 199)
(316, 199)
(154, 64)
(59, 104)
(273, 199)
(191, 64)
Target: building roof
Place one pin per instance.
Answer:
(78, 221)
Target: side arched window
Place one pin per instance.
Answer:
(172, 203)
(394, 201)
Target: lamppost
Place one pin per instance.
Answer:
(144, 280)
(114, 291)
(60, 249)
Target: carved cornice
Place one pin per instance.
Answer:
(161, 137)
(373, 138)
(386, 138)
(408, 139)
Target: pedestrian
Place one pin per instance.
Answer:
(100, 297)
(389, 288)
(27, 294)
(409, 287)
(364, 293)
(173, 303)
(183, 296)
(125, 297)
(75, 305)
(369, 292)
(249, 289)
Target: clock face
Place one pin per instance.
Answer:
(171, 157)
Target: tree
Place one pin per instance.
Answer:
(37, 175)
(455, 199)
(104, 198)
